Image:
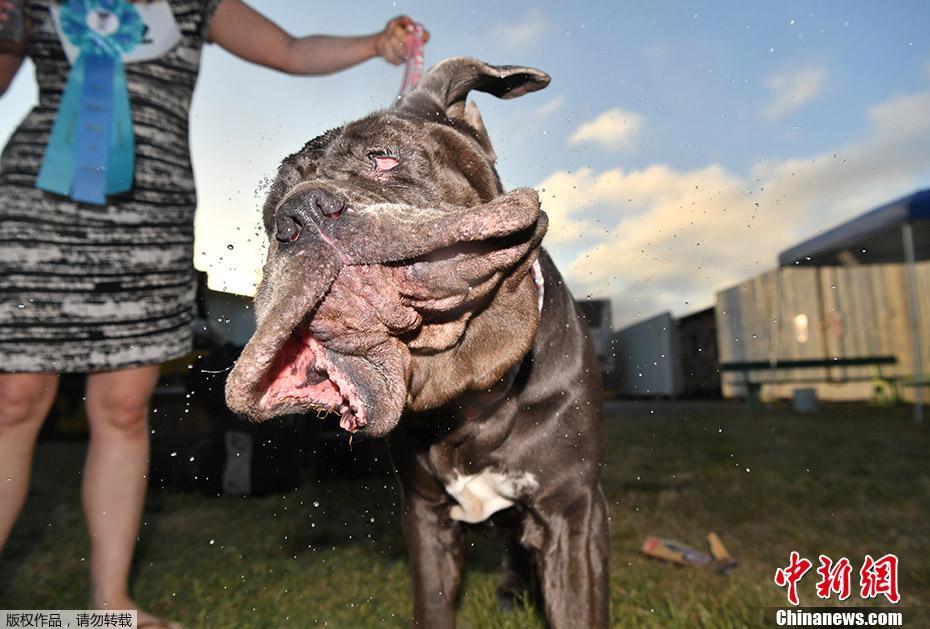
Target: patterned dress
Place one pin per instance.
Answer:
(88, 288)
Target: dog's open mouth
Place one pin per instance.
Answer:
(303, 377)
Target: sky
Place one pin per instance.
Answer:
(679, 148)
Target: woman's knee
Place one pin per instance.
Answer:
(25, 398)
(125, 413)
(120, 401)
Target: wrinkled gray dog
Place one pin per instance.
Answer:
(406, 292)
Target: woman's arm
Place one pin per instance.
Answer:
(9, 66)
(248, 34)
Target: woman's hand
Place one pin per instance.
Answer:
(391, 43)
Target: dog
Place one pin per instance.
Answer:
(406, 292)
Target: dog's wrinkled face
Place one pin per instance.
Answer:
(389, 238)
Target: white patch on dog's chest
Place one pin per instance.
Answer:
(487, 492)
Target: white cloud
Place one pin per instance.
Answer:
(901, 115)
(659, 238)
(548, 108)
(615, 129)
(792, 89)
(524, 34)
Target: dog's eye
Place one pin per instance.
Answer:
(382, 161)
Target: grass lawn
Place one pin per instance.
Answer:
(847, 481)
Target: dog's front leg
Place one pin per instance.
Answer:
(435, 546)
(434, 540)
(571, 559)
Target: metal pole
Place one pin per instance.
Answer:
(907, 236)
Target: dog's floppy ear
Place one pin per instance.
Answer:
(450, 81)
(391, 232)
(446, 85)
(446, 281)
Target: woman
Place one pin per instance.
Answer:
(108, 289)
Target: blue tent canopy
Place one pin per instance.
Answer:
(871, 238)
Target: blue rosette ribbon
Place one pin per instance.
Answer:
(91, 150)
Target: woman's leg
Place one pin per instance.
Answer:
(24, 402)
(115, 477)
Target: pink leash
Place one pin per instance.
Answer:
(413, 66)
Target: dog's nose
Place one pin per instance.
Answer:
(294, 213)
(287, 228)
(324, 202)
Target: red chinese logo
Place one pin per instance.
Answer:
(880, 577)
(876, 577)
(833, 577)
(791, 574)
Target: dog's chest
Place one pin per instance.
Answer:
(481, 495)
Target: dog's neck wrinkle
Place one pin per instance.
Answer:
(471, 365)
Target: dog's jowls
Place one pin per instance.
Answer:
(406, 292)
